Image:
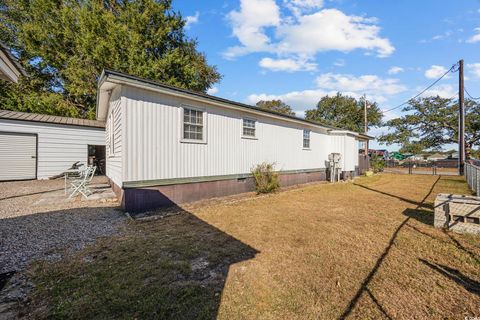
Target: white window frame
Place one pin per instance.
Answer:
(204, 124)
(304, 139)
(254, 137)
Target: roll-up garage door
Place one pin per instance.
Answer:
(18, 153)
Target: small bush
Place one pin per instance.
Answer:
(377, 163)
(266, 179)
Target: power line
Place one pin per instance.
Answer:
(468, 94)
(452, 69)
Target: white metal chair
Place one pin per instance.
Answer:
(81, 185)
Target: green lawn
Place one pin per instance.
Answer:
(354, 250)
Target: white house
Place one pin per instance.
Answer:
(167, 145)
(37, 146)
(10, 69)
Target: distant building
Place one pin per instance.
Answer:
(436, 156)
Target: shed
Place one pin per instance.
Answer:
(38, 146)
(167, 146)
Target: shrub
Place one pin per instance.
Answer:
(377, 163)
(266, 179)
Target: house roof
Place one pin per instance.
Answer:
(115, 77)
(10, 69)
(44, 118)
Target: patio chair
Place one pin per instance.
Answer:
(81, 185)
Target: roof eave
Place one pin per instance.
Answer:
(119, 78)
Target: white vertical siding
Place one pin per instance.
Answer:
(59, 146)
(154, 150)
(346, 145)
(114, 163)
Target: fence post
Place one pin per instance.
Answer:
(478, 183)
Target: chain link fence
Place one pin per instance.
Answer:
(472, 175)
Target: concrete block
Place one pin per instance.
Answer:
(457, 213)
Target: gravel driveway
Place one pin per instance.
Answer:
(29, 231)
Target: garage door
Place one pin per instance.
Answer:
(18, 156)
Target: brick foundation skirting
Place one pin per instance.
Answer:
(136, 200)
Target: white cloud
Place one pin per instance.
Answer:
(249, 26)
(395, 70)
(299, 7)
(361, 84)
(339, 63)
(444, 91)
(476, 37)
(259, 27)
(435, 72)
(474, 68)
(374, 87)
(190, 20)
(212, 90)
(338, 32)
(289, 65)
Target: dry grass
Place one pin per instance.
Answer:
(363, 250)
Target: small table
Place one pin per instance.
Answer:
(71, 172)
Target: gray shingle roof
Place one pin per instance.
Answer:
(45, 118)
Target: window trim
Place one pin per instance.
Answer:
(182, 124)
(242, 127)
(309, 139)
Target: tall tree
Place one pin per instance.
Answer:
(345, 112)
(65, 45)
(276, 105)
(432, 123)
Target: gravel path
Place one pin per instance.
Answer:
(29, 231)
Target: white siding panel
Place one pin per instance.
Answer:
(114, 161)
(59, 146)
(154, 150)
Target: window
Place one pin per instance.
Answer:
(306, 139)
(248, 128)
(193, 124)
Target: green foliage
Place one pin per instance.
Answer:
(345, 112)
(432, 123)
(377, 163)
(266, 179)
(66, 44)
(277, 106)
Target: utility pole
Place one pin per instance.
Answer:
(365, 120)
(461, 120)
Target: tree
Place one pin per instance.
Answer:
(345, 112)
(431, 123)
(65, 45)
(276, 105)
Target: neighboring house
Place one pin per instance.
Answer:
(417, 157)
(10, 69)
(167, 145)
(37, 146)
(436, 156)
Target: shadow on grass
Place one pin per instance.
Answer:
(421, 215)
(455, 275)
(172, 267)
(364, 286)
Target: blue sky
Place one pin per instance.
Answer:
(301, 50)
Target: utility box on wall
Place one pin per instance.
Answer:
(457, 213)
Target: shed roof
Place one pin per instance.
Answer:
(45, 118)
(123, 78)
